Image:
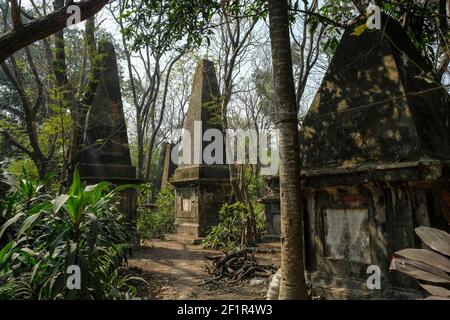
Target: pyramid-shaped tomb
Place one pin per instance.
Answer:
(377, 104)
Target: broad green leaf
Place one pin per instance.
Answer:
(5, 253)
(39, 207)
(29, 251)
(27, 223)
(75, 188)
(130, 186)
(10, 222)
(59, 201)
(99, 186)
(359, 30)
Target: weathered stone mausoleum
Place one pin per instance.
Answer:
(106, 154)
(201, 189)
(375, 150)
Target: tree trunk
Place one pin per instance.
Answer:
(42, 169)
(293, 284)
(66, 97)
(152, 141)
(79, 109)
(140, 151)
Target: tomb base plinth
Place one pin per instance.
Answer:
(200, 192)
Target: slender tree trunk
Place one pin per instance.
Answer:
(42, 169)
(65, 94)
(139, 128)
(292, 284)
(140, 151)
(152, 141)
(79, 109)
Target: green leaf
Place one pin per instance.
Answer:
(10, 222)
(75, 188)
(359, 30)
(29, 251)
(34, 271)
(59, 201)
(39, 207)
(99, 186)
(27, 223)
(128, 187)
(5, 253)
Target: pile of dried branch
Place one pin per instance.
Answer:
(236, 266)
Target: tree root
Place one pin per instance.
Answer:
(236, 266)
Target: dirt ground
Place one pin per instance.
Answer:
(175, 269)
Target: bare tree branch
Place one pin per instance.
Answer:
(8, 137)
(41, 28)
(15, 14)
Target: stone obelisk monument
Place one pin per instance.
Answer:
(106, 154)
(201, 189)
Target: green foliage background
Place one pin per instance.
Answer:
(158, 222)
(228, 233)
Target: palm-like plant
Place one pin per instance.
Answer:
(42, 237)
(430, 266)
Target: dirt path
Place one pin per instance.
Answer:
(176, 270)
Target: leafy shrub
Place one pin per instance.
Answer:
(145, 193)
(16, 166)
(41, 235)
(260, 222)
(230, 232)
(159, 221)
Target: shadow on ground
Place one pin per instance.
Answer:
(176, 270)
